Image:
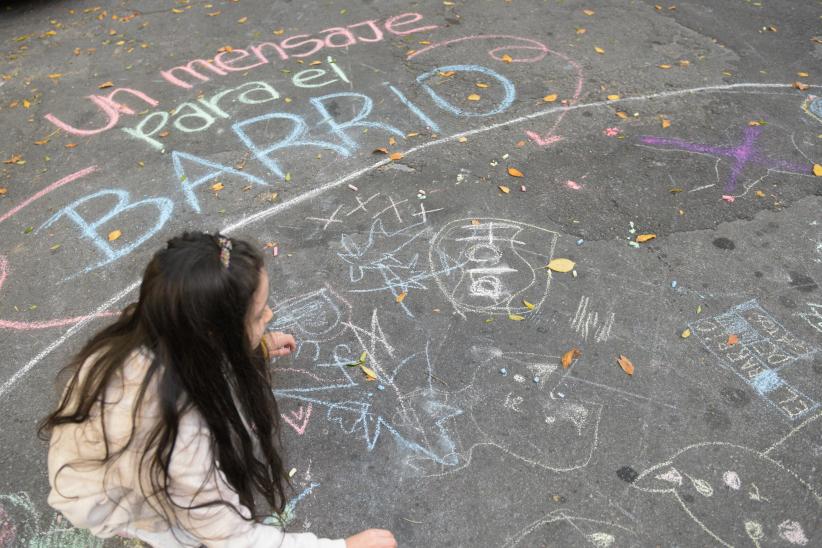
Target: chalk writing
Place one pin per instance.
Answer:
(764, 348)
(587, 321)
(814, 316)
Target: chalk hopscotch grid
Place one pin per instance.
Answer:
(308, 195)
(766, 381)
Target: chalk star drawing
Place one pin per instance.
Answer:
(746, 152)
(366, 409)
(392, 257)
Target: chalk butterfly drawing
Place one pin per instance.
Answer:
(771, 505)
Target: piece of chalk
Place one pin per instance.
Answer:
(503, 371)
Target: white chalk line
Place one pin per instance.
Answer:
(7, 385)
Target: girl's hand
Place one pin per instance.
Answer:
(279, 344)
(372, 538)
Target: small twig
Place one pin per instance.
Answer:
(412, 521)
(439, 379)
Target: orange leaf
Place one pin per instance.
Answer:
(507, 58)
(550, 98)
(800, 86)
(732, 340)
(401, 297)
(666, 123)
(114, 234)
(481, 85)
(514, 172)
(105, 85)
(381, 150)
(217, 187)
(396, 156)
(623, 115)
(626, 364)
(569, 357)
(588, 12)
(817, 170)
(474, 97)
(447, 74)
(642, 238)
(71, 145)
(3, 190)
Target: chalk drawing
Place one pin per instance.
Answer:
(247, 220)
(578, 531)
(543, 141)
(315, 316)
(745, 153)
(215, 170)
(489, 266)
(587, 322)
(289, 512)
(763, 350)
(813, 107)
(769, 502)
(363, 410)
(814, 316)
(327, 221)
(53, 186)
(21, 524)
(387, 261)
(26, 326)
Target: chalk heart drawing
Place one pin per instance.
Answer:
(576, 531)
(771, 506)
(489, 266)
(298, 418)
(21, 525)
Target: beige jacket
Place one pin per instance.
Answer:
(109, 500)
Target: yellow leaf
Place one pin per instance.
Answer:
(623, 115)
(71, 145)
(550, 98)
(41, 142)
(278, 32)
(817, 170)
(474, 97)
(114, 234)
(666, 123)
(613, 97)
(363, 356)
(569, 357)
(760, 194)
(642, 238)
(26, 103)
(686, 333)
(401, 297)
(514, 172)
(396, 156)
(504, 189)
(3, 190)
(392, 141)
(214, 13)
(529, 306)
(599, 50)
(626, 364)
(507, 58)
(314, 63)
(242, 20)
(462, 139)
(588, 12)
(369, 373)
(802, 74)
(217, 186)
(105, 85)
(732, 340)
(581, 30)
(561, 265)
(683, 62)
(447, 74)
(55, 76)
(516, 317)
(176, 10)
(664, 66)
(481, 85)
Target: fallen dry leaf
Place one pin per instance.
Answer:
(599, 50)
(474, 97)
(507, 58)
(817, 170)
(114, 234)
(550, 98)
(105, 85)
(588, 12)
(802, 74)
(41, 142)
(582, 30)
(217, 187)
(664, 66)
(392, 141)
(561, 265)
(569, 357)
(760, 194)
(381, 150)
(71, 145)
(481, 85)
(26, 103)
(3, 190)
(732, 340)
(514, 172)
(396, 156)
(626, 364)
(613, 97)
(623, 115)
(800, 86)
(529, 306)
(401, 297)
(504, 189)
(642, 238)
(666, 123)
(686, 334)
(516, 317)
(462, 139)
(447, 74)
(369, 373)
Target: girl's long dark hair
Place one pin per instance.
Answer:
(191, 315)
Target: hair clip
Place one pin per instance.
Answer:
(225, 250)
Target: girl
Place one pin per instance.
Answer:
(168, 428)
